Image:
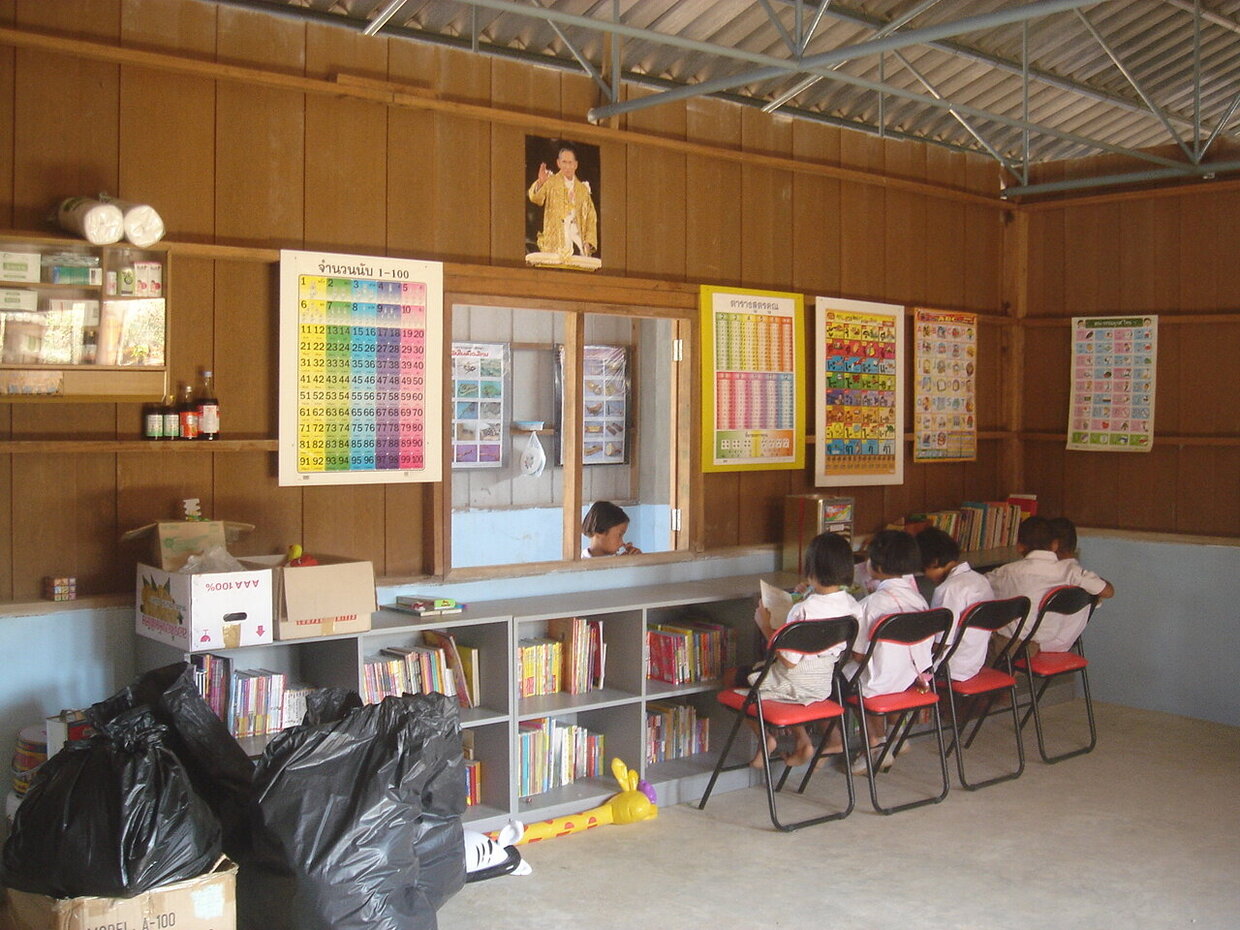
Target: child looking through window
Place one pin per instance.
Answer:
(605, 525)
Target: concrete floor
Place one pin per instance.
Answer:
(1143, 832)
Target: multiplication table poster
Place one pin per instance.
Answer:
(361, 358)
(753, 372)
(859, 384)
(1114, 359)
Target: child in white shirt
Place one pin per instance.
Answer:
(958, 587)
(798, 678)
(1040, 570)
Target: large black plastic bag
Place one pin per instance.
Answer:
(111, 816)
(221, 772)
(346, 806)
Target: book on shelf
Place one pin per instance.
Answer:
(421, 606)
(447, 642)
(401, 670)
(470, 667)
(584, 653)
(690, 651)
(539, 666)
(293, 710)
(674, 731)
(1028, 504)
(553, 754)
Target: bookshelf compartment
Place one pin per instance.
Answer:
(622, 673)
(489, 746)
(621, 729)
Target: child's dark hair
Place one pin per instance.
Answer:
(937, 548)
(1063, 531)
(1035, 533)
(601, 517)
(829, 560)
(894, 552)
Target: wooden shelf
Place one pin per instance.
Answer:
(156, 446)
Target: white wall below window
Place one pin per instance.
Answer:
(533, 534)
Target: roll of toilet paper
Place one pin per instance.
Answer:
(98, 223)
(143, 226)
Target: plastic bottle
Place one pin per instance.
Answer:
(208, 407)
(172, 419)
(153, 420)
(187, 412)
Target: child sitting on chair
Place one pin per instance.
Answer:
(957, 587)
(894, 558)
(798, 678)
(1040, 569)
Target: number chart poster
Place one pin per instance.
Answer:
(478, 404)
(1114, 359)
(753, 373)
(944, 372)
(859, 383)
(361, 368)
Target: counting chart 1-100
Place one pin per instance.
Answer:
(361, 355)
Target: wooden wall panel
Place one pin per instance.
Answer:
(721, 519)
(245, 490)
(1091, 496)
(1147, 241)
(246, 348)
(990, 375)
(944, 233)
(713, 218)
(613, 221)
(413, 184)
(760, 509)
(405, 516)
(345, 521)
(766, 198)
(1091, 260)
(509, 197)
(1044, 395)
(151, 487)
(983, 237)
(1208, 486)
(462, 151)
(95, 19)
(655, 237)
(1045, 475)
(1154, 507)
(519, 87)
(905, 233)
(862, 219)
(817, 232)
(1047, 237)
(1209, 362)
(8, 74)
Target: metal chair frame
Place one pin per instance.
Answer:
(904, 629)
(808, 636)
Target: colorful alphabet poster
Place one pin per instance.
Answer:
(605, 405)
(1114, 359)
(944, 375)
(478, 371)
(361, 346)
(859, 383)
(753, 369)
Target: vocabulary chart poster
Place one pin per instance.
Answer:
(1114, 359)
(944, 375)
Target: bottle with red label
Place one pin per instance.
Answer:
(208, 407)
(187, 413)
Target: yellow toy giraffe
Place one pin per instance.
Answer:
(634, 803)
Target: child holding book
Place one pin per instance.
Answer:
(605, 525)
(957, 587)
(795, 677)
(1041, 569)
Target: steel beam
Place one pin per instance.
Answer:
(389, 10)
(1204, 171)
(1231, 111)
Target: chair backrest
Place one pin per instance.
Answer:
(1064, 599)
(814, 636)
(991, 616)
(905, 629)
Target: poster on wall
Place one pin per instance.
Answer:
(753, 376)
(478, 402)
(361, 344)
(944, 400)
(859, 383)
(1114, 359)
(562, 204)
(606, 405)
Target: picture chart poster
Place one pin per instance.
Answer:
(361, 369)
(605, 405)
(478, 371)
(944, 401)
(859, 383)
(1114, 359)
(753, 372)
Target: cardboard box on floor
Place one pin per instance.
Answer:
(174, 541)
(211, 610)
(335, 596)
(208, 902)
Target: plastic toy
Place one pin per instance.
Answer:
(635, 803)
(487, 857)
(297, 558)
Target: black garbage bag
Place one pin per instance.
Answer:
(221, 772)
(345, 806)
(111, 816)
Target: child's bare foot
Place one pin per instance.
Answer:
(771, 745)
(799, 756)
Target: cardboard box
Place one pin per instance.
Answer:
(11, 299)
(335, 596)
(174, 541)
(213, 610)
(20, 266)
(208, 902)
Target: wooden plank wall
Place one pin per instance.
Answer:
(246, 165)
(1141, 253)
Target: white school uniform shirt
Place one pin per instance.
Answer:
(960, 590)
(892, 667)
(821, 607)
(1033, 576)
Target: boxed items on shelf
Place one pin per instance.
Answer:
(207, 902)
(174, 541)
(20, 266)
(212, 610)
(807, 515)
(335, 596)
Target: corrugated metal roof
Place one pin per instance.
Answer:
(1027, 83)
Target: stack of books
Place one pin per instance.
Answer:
(554, 754)
(473, 782)
(397, 670)
(674, 731)
(584, 654)
(689, 652)
(424, 606)
(540, 663)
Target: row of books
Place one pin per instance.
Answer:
(982, 524)
(674, 731)
(572, 658)
(473, 782)
(553, 754)
(438, 664)
(251, 702)
(692, 651)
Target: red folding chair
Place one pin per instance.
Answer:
(810, 637)
(988, 683)
(1046, 666)
(902, 629)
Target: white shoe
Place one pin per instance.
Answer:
(858, 766)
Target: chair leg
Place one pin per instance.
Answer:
(902, 724)
(720, 764)
(1037, 718)
(981, 718)
(1006, 776)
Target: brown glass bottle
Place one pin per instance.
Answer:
(187, 413)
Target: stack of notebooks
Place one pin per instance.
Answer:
(554, 754)
(689, 652)
(674, 731)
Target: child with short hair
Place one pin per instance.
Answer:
(797, 678)
(894, 558)
(605, 524)
(957, 587)
(1041, 569)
